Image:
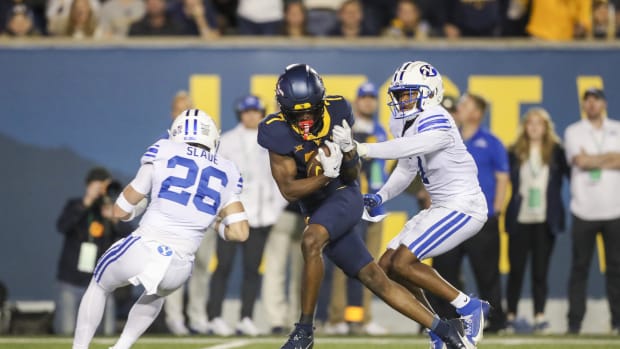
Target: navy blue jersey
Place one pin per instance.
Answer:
(280, 137)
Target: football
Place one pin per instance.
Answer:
(313, 166)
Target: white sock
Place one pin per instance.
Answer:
(141, 316)
(460, 301)
(89, 315)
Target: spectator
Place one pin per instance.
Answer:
(350, 23)
(603, 22)
(118, 15)
(197, 17)
(482, 249)
(322, 15)
(282, 252)
(20, 22)
(294, 25)
(89, 229)
(198, 282)
(593, 151)
(36, 11)
(571, 19)
(156, 21)
(378, 14)
(515, 14)
(408, 22)
(465, 18)
(535, 211)
(58, 13)
(263, 205)
(259, 17)
(353, 318)
(82, 20)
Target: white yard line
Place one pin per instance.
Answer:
(229, 343)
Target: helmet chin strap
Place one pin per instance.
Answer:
(305, 126)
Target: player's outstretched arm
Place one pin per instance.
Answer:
(418, 144)
(232, 223)
(284, 170)
(398, 181)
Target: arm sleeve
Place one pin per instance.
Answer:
(142, 182)
(398, 181)
(421, 143)
(151, 153)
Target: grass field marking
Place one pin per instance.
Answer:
(230, 345)
(225, 343)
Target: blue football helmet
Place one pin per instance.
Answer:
(300, 93)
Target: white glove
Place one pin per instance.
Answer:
(331, 163)
(362, 149)
(343, 137)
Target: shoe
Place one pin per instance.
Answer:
(341, 328)
(177, 328)
(219, 327)
(201, 327)
(573, 329)
(541, 327)
(436, 342)
(473, 317)
(299, 339)
(247, 328)
(456, 338)
(374, 329)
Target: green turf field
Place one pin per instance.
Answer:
(512, 342)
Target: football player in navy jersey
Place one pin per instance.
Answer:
(331, 201)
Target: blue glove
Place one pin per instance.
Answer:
(379, 210)
(372, 200)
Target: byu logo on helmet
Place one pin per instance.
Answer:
(428, 70)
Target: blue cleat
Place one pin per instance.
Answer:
(436, 342)
(299, 339)
(456, 338)
(473, 317)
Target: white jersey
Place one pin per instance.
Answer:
(431, 145)
(189, 186)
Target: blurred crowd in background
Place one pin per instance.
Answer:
(405, 19)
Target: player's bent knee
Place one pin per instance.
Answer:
(385, 262)
(373, 277)
(313, 241)
(402, 262)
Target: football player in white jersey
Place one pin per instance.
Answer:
(427, 141)
(190, 187)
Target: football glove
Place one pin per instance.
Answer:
(372, 200)
(343, 137)
(331, 164)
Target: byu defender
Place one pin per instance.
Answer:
(428, 142)
(190, 188)
(331, 201)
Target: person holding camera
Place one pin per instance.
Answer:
(89, 228)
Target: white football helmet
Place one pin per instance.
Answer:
(423, 84)
(195, 126)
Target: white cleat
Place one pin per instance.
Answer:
(246, 327)
(219, 327)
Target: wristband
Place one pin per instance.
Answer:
(221, 231)
(122, 202)
(234, 218)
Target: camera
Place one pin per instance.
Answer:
(112, 191)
